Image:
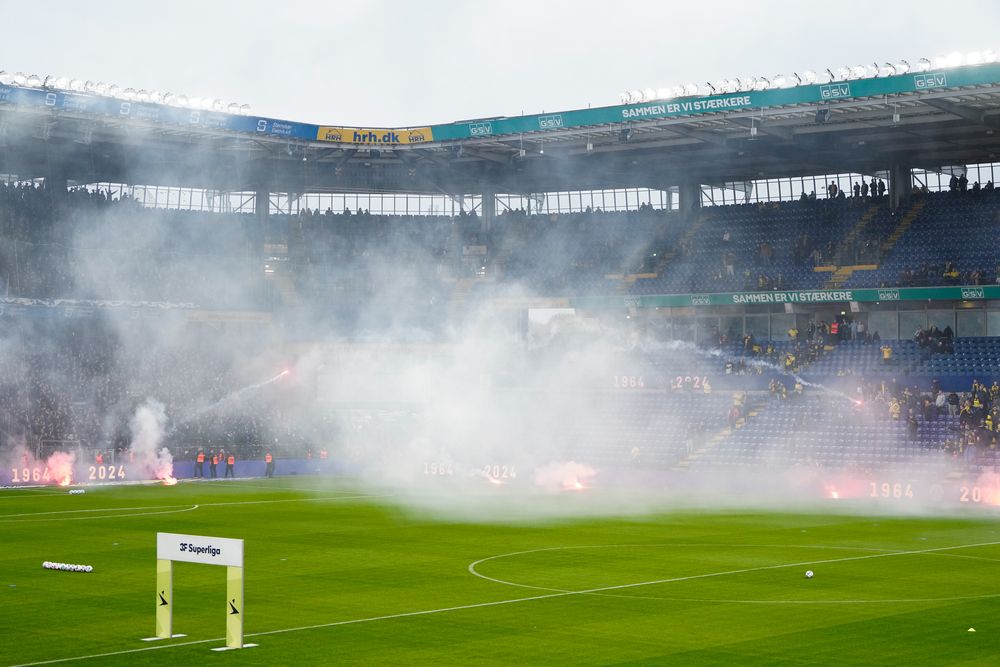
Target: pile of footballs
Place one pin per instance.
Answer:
(67, 567)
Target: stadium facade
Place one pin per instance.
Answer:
(852, 208)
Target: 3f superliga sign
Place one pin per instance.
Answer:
(171, 547)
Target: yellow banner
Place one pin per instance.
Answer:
(234, 608)
(375, 136)
(164, 599)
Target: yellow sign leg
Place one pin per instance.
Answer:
(164, 598)
(234, 607)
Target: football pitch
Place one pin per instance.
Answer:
(335, 575)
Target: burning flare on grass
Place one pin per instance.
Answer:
(564, 476)
(60, 466)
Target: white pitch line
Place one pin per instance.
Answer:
(189, 508)
(6, 517)
(496, 603)
(21, 492)
(884, 552)
(691, 577)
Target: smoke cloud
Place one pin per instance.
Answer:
(148, 427)
(414, 366)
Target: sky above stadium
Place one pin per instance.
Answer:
(381, 63)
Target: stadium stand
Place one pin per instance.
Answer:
(941, 245)
(87, 245)
(710, 393)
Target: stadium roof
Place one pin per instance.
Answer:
(928, 120)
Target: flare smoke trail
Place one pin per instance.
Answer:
(757, 363)
(233, 396)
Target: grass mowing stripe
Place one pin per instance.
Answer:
(7, 517)
(555, 594)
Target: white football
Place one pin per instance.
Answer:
(809, 574)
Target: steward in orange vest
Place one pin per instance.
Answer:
(269, 469)
(230, 462)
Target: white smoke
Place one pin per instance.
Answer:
(148, 427)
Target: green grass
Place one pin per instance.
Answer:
(321, 556)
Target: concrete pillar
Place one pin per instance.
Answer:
(689, 197)
(488, 210)
(900, 185)
(262, 204)
(56, 183)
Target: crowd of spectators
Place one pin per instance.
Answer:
(76, 384)
(93, 244)
(947, 273)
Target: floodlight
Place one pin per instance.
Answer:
(761, 84)
(733, 85)
(796, 79)
(940, 62)
(233, 108)
(709, 88)
(101, 88)
(903, 67)
(843, 73)
(33, 81)
(169, 98)
(182, 101)
(809, 77)
(194, 102)
(245, 109)
(690, 89)
(923, 65)
(76, 85)
(624, 97)
(129, 94)
(858, 72)
(62, 83)
(779, 81)
(218, 105)
(90, 86)
(635, 95)
(142, 95)
(720, 86)
(5, 78)
(156, 97)
(114, 90)
(747, 83)
(989, 56)
(677, 91)
(954, 59)
(49, 81)
(19, 78)
(974, 58)
(871, 71)
(648, 94)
